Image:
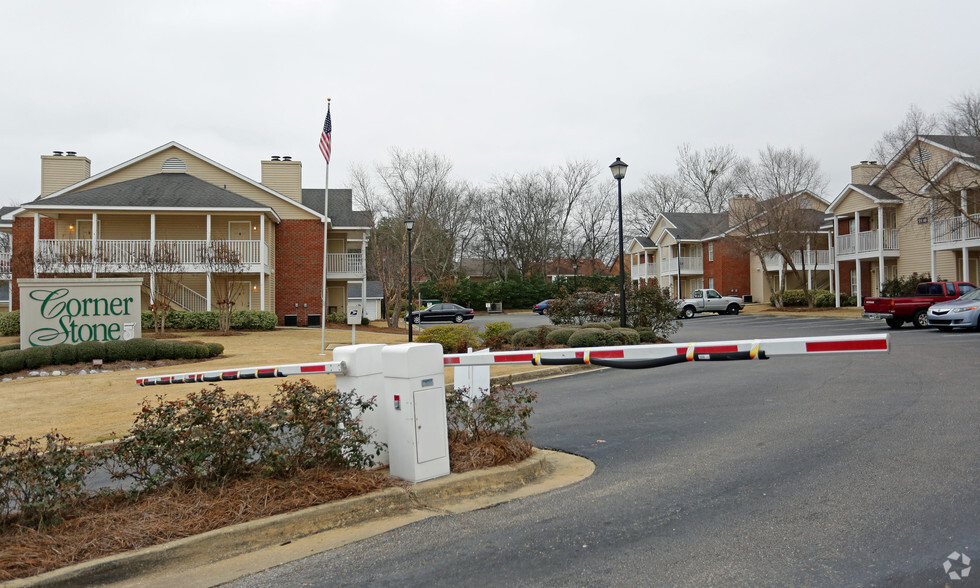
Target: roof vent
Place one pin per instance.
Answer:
(70, 154)
(59, 153)
(865, 162)
(275, 158)
(174, 164)
(287, 157)
(873, 162)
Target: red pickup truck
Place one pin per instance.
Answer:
(898, 311)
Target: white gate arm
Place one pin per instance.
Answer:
(650, 356)
(248, 373)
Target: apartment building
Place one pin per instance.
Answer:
(187, 222)
(917, 213)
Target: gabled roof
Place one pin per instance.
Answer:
(153, 152)
(340, 209)
(163, 190)
(4, 210)
(695, 226)
(962, 145)
(874, 193)
(645, 242)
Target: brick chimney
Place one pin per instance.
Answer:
(63, 169)
(284, 175)
(865, 171)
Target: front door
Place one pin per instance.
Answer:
(239, 231)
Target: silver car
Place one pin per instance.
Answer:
(961, 312)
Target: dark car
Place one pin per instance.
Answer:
(443, 312)
(543, 306)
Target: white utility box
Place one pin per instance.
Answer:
(415, 390)
(364, 377)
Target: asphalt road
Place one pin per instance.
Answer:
(844, 470)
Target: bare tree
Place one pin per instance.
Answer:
(778, 215)
(226, 269)
(166, 267)
(596, 223)
(658, 193)
(963, 118)
(708, 176)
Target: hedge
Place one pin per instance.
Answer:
(453, 338)
(254, 320)
(15, 360)
(10, 323)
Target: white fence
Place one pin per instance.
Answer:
(954, 230)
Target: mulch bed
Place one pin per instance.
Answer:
(112, 523)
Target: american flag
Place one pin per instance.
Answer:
(325, 137)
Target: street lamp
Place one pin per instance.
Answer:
(618, 168)
(409, 223)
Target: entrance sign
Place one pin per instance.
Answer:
(75, 310)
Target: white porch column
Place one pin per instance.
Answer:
(363, 275)
(932, 240)
(881, 247)
(37, 240)
(836, 264)
(809, 265)
(153, 246)
(964, 249)
(263, 260)
(857, 278)
(95, 241)
(207, 249)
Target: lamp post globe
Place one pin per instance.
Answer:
(409, 225)
(618, 168)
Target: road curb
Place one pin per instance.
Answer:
(220, 544)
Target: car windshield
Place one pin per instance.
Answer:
(971, 295)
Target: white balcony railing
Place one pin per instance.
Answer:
(691, 265)
(134, 255)
(345, 263)
(867, 242)
(644, 270)
(954, 230)
(5, 264)
(816, 259)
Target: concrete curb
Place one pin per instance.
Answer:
(220, 544)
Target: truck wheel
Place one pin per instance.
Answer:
(919, 319)
(688, 312)
(894, 323)
(732, 309)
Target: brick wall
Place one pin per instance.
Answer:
(299, 269)
(22, 261)
(730, 268)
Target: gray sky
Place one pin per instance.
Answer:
(494, 86)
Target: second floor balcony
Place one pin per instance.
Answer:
(950, 233)
(5, 255)
(819, 259)
(866, 244)
(647, 270)
(688, 265)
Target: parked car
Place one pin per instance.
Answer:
(709, 300)
(898, 311)
(543, 306)
(443, 312)
(961, 312)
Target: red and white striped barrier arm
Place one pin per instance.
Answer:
(648, 356)
(278, 371)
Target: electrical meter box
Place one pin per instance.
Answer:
(415, 390)
(364, 377)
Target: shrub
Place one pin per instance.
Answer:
(10, 347)
(215, 349)
(494, 329)
(647, 335)
(11, 361)
(35, 357)
(606, 326)
(165, 350)
(146, 320)
(825, 299)
(453, 338)
(903, 286)
(90, 350)
(10, 323)
(139, 349)
(63, 353)
(587, 338)
(619, 336)
(40, 482)
(207, 437)
(508, 335)
(560, 336)
(525, 338)
(797, 297)
(317, 427)
(114, 351)
(338, 318)
(503, 410)
(259, 320)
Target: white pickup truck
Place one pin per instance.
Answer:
(709, 300)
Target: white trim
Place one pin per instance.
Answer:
(157, 209)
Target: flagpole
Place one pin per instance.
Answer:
(323, 293)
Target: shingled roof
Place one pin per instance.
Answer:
(964, 144)
(163, 190)
(693, 226)
(340, 209)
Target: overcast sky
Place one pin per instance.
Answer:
(496, 87)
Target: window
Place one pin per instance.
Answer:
(713, 294)
(854, 286)
(711, 282)
(711, 251)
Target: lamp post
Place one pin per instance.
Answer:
(409, 223)
(618, 168)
